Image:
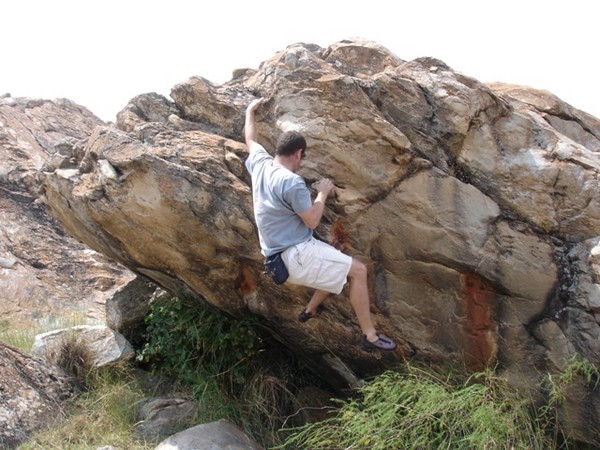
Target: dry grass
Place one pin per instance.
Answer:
(104, 415)
(21, 334)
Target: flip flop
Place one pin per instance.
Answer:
(304, 316)
(382, 343)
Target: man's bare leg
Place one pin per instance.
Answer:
(359, 299)
(317, 298)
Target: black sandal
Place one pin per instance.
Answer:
(382, 343)
(304, 316)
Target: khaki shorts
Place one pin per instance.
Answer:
(317, 265)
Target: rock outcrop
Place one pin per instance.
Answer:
(48, 279)
(46, 276)
(33, 394)
(475, 207)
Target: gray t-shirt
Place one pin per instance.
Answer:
(279, 195)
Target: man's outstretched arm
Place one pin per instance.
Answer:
(250, 124)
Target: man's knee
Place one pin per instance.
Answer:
(357, 270)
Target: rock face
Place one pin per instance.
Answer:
(32, 395)
(47, 278)
(476, 208)
(45, 274)
(127, 308)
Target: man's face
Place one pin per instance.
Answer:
(298, 157)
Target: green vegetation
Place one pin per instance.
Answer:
(225, 364)
(239, 375)
(191, 340)
(419, 410)
(575, 368)
(16, 336)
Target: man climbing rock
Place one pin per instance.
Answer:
(286, 216)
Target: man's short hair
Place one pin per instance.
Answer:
(290, 142)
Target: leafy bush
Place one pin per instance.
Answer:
(418, 410)
(188, 338)
(225, 364)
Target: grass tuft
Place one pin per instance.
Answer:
(418, 410)
(75, 357)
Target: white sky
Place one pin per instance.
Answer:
(102, 53)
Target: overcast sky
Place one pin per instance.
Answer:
(100, 54)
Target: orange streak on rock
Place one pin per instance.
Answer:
(339, 236)
(247, 283)
(479, 327)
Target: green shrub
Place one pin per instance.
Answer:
(193, 341)
(224, 363)
(418, 410)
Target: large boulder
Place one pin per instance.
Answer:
(98, 345)
(47, 277)
(474, 207)
(127, 308)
